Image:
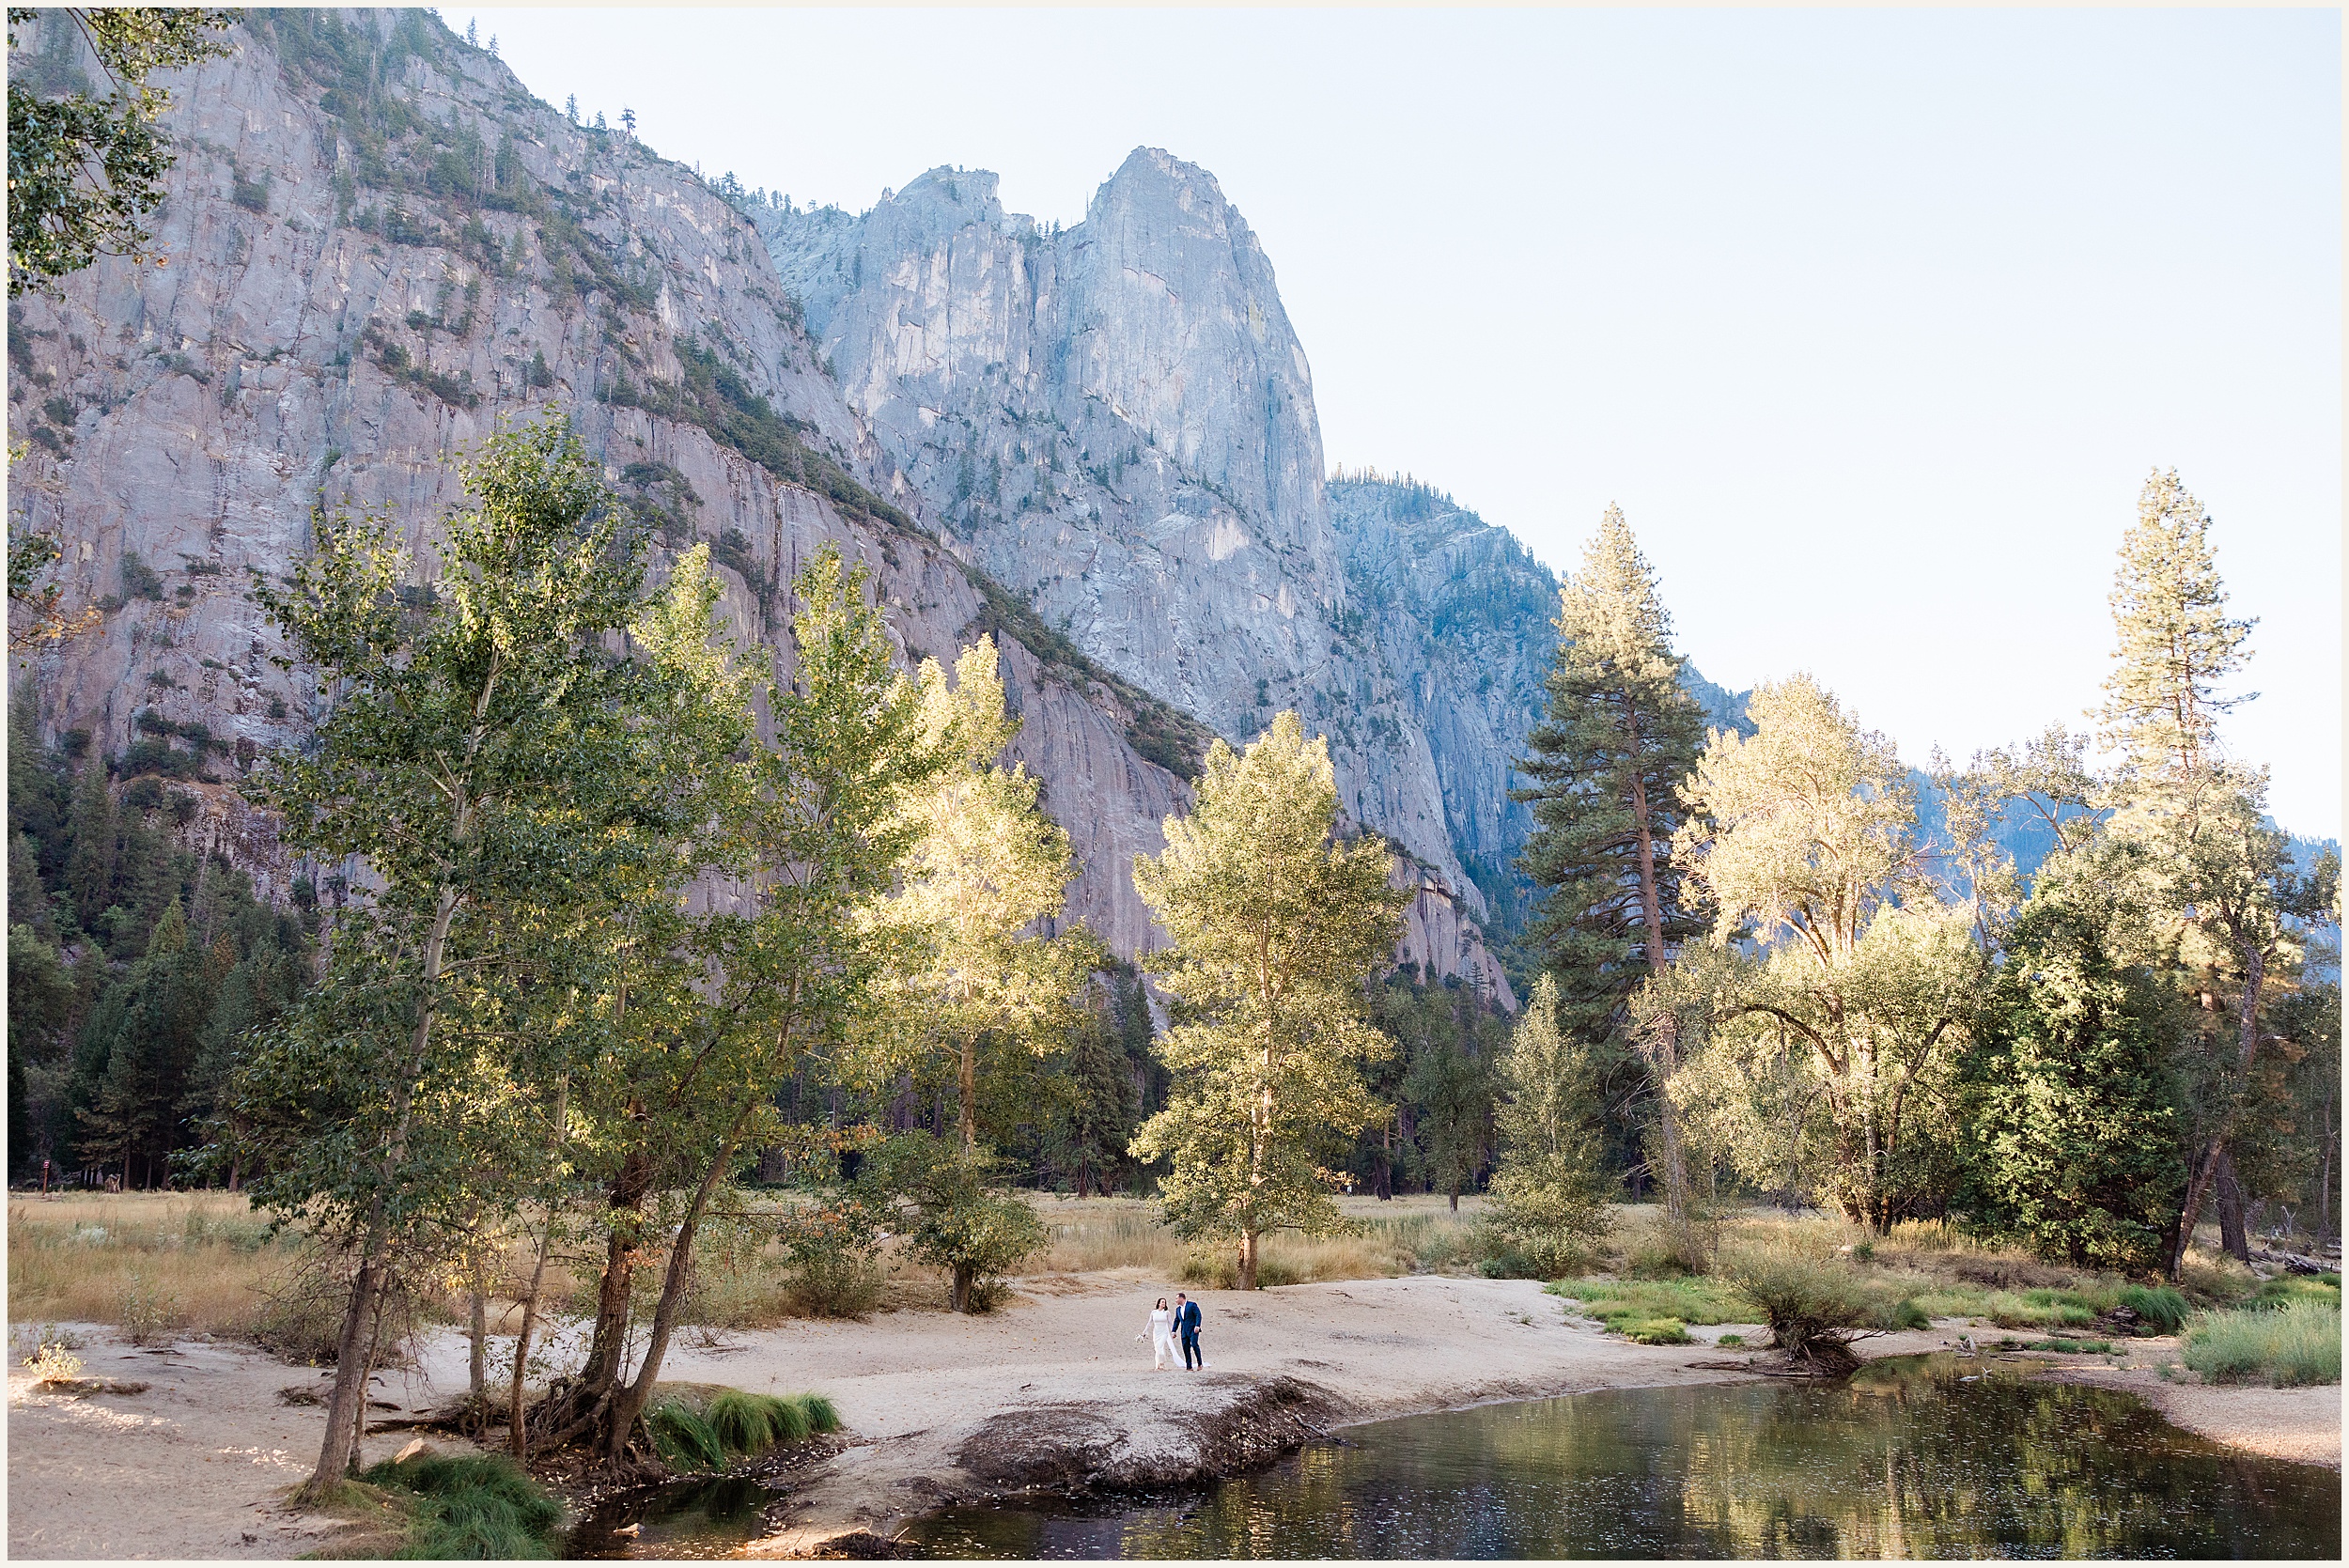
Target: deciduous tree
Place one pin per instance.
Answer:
(1275, 929)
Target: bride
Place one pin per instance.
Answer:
(1161, 1337)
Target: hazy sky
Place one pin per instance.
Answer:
(1873, 323)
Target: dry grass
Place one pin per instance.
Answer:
(154, 1263)
(1396, 1237)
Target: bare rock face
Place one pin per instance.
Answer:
(1117, 420)
(379, 248)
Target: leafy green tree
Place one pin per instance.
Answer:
(2067, 1094)
(84, 170)
(1609, 758)
(1839, 983)
(1275, 930)
(972, 963)
(1550, 1192)
(2221, 873)
(956, 1212)
(744, 995)
(474, 760)
(1454, 1092)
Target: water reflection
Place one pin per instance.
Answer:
(688, 1519)
(1925, 1457)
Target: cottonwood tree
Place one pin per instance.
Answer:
(1619, 736)
(475, 758)
(1549, 1192)
(972, 963)
(1838, 983)
(744, 994)
(1275, 929)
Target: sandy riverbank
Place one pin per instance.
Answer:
(1053, 1390)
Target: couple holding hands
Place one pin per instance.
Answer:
(1164, 1327)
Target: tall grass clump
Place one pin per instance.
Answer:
(471, 1507)
(2158, 1306)
(2289, 1346)
(735, 1424)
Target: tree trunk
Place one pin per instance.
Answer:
(477, 1357)
(629, 1404)
(958, 1288)
(516, 1416)
(1248, 1260)
(338, 1454)
(968, 1123)
(2233, 1237)
(339, 1450)
(1664, 1060)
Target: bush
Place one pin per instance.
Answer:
(473, 1506)
(1815, 1304)
(148, 1312)
(2158, 1306)
(960, 1220)
(1656, 1331)
(833, 1284)
(2288, 1346)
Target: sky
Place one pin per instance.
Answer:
(1873, 322)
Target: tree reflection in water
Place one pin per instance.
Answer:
(1919, 1458)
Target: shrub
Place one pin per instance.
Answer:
(1656, 1331)
(2159, 1306)
(960, 1221)
(1815, 1304)
(51, 1362)
(833, 1284)
(148, 1312)
(2288, 1346)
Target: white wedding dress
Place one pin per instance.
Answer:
(1163, 1349)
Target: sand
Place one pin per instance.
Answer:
(1052, 1391)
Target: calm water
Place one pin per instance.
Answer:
(1925, 1457)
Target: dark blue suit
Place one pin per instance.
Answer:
(1187, 1323)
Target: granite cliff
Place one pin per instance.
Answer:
(1098, 444)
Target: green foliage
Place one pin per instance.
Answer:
(2159, 1307)
(1813, 1303)
(84, 171)
(1550, 1194)
(1840, 983)
(956, 1216)
(471, 1507)
(2069, 1093)
(1609, 757)
(1449, 1087)
(2291, 1346)
(2168, 611)
(1274, 930)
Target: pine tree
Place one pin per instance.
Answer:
(1274, 930)
(1549, 1193)
(2175, 642)
(1609, 758)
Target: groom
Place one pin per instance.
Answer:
(1187, 1323)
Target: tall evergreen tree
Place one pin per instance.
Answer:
(1619, 736)
(2175, 641)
